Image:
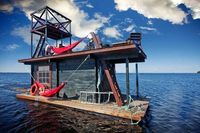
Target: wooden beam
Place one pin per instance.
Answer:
(137, 83)
(32, 74)
(113, 84)
(57, 76)
(96, 40)
(82, 53)
(127, 80)
(31, 37)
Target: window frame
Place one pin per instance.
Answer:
(49, 77)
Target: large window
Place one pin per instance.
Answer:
(44, 74)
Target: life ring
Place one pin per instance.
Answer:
(33, 89)
(41, 89)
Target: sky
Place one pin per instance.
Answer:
(170, 30)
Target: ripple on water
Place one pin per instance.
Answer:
(174, 107)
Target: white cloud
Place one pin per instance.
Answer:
(194, 5)
(148, 28)
(80, 46)
(81, 23)
(23, 32)
(130, 28)
(160, 9)
(128, 20)
(5, 7)
(89, 6)
(112, 32)
(150, 22)
(12, 47)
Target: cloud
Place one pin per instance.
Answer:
(159, 9)
(112, 32)
(148, 28)
(150, 22)
(23, 32)
(194, 5)
(11, 47)
(128, 20)
(79, 47)
(89, 6)
(130, 28)
(82, 23)
(6, 6)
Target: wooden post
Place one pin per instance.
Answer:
(113, 85)
(31, 37)
(137, 83)
(70, 38)
(32, 73)
(127, 80)
(46, 25)
(57, 76)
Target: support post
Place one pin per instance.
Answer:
(137, 83)
(31, 37)
(46, 13)
(127, 80)
(32, 73)
(70, 38)
(57, 76)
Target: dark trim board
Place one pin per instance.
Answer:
(128, 50)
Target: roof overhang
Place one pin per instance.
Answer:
(115, 54)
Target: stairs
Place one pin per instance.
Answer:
(39, 46)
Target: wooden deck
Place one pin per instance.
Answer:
(106, 109)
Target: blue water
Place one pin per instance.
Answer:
(174, 107)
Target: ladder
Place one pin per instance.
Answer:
(39, 46)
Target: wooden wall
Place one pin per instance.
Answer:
(84, 79)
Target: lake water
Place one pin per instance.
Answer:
(174, 107)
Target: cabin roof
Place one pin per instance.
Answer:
(116, 54)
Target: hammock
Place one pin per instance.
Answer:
(52, 92)
(47, 92)
(66, 48)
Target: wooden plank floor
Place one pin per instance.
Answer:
(107, 109)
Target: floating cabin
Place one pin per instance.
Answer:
(89, 73)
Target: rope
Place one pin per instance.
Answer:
(77, 68)
(71, 73)
(30, 74)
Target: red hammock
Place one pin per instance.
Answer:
(66, 48)
(51, 92)
(47, 92)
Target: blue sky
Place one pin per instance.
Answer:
(170, 30)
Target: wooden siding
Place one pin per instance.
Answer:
(84, 79)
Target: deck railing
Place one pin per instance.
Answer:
(95, 97)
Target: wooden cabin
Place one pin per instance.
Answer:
(90, 74)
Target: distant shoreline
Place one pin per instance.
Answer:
(14, 72)
(117, 73)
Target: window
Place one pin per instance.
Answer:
(44, 74)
